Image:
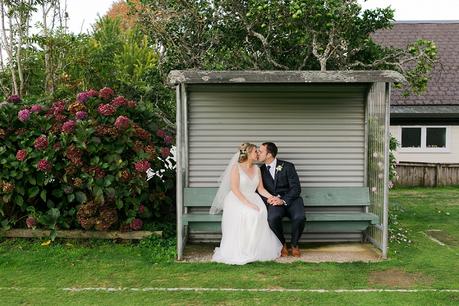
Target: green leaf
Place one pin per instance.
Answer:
(19, 200)
(33, 191)
(81, 197)
(71, 197)
(6, 198)
(32, 180)
(43, 195)
(119, 203)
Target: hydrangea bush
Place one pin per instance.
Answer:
(83, 163)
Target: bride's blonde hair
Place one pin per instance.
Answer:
(244, 150)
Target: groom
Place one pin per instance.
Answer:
(280, 179)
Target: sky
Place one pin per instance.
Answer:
(83, 13)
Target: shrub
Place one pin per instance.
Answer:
(82, 163)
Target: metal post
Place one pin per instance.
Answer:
(385, 241)
(179, 179)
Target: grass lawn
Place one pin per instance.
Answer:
(39, 273)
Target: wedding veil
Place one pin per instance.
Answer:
(225, 186)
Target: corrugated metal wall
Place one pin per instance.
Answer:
(320, 128)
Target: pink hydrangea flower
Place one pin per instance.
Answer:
(21, 155)
(119, 101)
(160, 133)
(69, 126)
(165, 152)
(141, 208)
(58, 107)
(44, 165)
(41, 143)
(142, 166)
(31, 222)
(92, 93)
(14, 99)
(36, 108)
(83, 96)
(168, 139)
(24, 115)
(136, 224)
(106, 109)
(81, 115)
(106, 93)
(122, 122)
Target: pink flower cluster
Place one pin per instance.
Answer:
(41, 143)
(31, 222)
(85, 95)
(136, 224)
(21, 155)
(119, 101)
(122, 122)
(58, 107)
(68, 127)
(106, 93)
(14, 99)
(81, 115)
(141, 208)
(44, 165)
(165, 151)
(142, 166)
(24, 115)
(106, 110)
(36, 108)
(167, 139)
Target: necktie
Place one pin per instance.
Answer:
(269, 167)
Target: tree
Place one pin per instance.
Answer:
(279, 34)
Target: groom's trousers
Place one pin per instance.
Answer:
(294, 211)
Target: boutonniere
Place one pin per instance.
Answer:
(279, 168)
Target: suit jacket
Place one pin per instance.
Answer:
(286, 183)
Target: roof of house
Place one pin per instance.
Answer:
(443, 87)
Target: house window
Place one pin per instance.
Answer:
(424, 138)
(436, 137)
(411, 137)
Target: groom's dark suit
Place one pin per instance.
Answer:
(286, 185)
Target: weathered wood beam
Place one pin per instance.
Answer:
(78, 234)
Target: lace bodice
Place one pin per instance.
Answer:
(248, 184)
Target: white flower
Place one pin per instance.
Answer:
(279, 168)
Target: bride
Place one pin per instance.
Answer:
(246, 235)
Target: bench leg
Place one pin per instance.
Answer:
(181, 241)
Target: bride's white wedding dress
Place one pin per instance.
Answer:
(246, 235)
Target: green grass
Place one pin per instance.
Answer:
(42, 271)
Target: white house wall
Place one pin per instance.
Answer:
(450, 155)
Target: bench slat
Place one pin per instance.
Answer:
(310, 217)
(312, 196)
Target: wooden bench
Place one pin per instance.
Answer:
(332, 214)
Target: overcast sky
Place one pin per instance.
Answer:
(83, 13)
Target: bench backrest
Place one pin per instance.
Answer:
(344, 198)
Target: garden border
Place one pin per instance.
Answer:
(79, 234)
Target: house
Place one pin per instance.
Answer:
(427, 126)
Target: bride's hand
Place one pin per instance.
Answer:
(253, 206)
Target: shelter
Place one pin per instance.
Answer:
(334, 126)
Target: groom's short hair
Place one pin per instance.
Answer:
(270, 148)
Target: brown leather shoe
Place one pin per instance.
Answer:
(296, 252)
(284, 251)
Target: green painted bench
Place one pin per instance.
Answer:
(332, 214)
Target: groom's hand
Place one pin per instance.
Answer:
(275, 201)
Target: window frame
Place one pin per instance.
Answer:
(424, 148)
